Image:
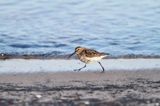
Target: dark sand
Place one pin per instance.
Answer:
(112, 88)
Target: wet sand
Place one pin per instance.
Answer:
(61, 65)
(112, 88)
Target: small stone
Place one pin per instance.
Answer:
(157, 104)
(86, 102)
(2, 54)
(38, 96)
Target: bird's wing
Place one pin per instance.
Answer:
(92, 53)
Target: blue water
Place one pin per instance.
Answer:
(118, 27)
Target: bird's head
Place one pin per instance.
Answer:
(78, 50)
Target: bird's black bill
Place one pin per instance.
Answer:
(71, 55)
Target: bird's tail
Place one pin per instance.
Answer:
(106, 54)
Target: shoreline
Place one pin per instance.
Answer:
(4, 56)
(112, 88)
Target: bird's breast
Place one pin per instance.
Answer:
(83, 59)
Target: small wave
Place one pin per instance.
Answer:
(113, 43)
(79, 40)
(59, 55)
(20, 46)
(60, 45)
(28, 46)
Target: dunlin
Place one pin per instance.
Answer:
(88, 55)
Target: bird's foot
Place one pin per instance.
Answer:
(102, 71)
(74, 70)
(77, 70)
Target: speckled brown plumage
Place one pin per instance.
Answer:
(88, 55)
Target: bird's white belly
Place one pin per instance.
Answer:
(95, 58)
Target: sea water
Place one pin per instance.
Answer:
(56, 27)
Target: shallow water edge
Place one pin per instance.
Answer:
(4, 56)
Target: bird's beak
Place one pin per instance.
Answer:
(71, 55)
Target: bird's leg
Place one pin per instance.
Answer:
(80, 68)
(101, 66)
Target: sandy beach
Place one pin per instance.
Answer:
(115, 44)
(112, 88)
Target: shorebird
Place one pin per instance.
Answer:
(88, 55)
